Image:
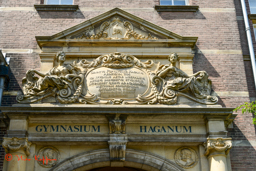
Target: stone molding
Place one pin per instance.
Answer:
(16, 144)
(101, 158)
(216, 146)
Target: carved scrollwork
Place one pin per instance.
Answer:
(171, 82)
(115, 79)
(218, 145)
(15, 144)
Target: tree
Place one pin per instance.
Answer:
(248, 108)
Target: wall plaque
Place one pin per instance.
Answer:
(117, 83)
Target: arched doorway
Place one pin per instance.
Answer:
(100, 159)
(116, 169)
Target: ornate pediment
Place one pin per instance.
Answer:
(116, 28)
(115, 24)
(116, 79)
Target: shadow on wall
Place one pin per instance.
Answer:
(242, 154)
(61, 14)
(201, 63)
(19, 64)
(181, 15)
(10, 98)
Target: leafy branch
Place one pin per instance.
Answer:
(248, 108)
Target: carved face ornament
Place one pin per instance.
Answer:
(62, 57)
(173, 58)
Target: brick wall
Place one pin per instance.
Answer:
(219, 30)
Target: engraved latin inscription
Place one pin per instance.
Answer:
(117, 83)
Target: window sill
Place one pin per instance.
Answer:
(176, 8)
(252, 16)
(56, 7)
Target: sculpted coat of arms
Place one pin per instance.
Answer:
(116, 79)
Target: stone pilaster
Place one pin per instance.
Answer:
(118, 138)
(17, 151)
(117, 147)
(216, 151)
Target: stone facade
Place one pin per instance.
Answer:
(212, 39)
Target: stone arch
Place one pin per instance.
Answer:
(101, 158)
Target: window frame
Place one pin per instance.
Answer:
(186, 2)
(46, 3)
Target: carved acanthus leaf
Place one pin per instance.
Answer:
(218, 145)
(15, 144)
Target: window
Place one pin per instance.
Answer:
(252, 4)
(59, 2)
(175, 2)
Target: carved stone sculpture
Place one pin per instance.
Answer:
(117, 125)
(48, 156)
(63, 80)
(171, 82)
(116, 79)
(116, 28)
(15, 144)
(186, 157)
(218, 145)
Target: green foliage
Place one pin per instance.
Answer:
(248, 108)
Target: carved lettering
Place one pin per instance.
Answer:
(68, 128)
(117, 83)
(165, 129)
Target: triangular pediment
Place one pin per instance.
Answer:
(116, 24)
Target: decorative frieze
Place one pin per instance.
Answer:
(218, 145)
(16, 144)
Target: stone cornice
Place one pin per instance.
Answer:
(176, 8)
(39, 109)
(43, 41)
